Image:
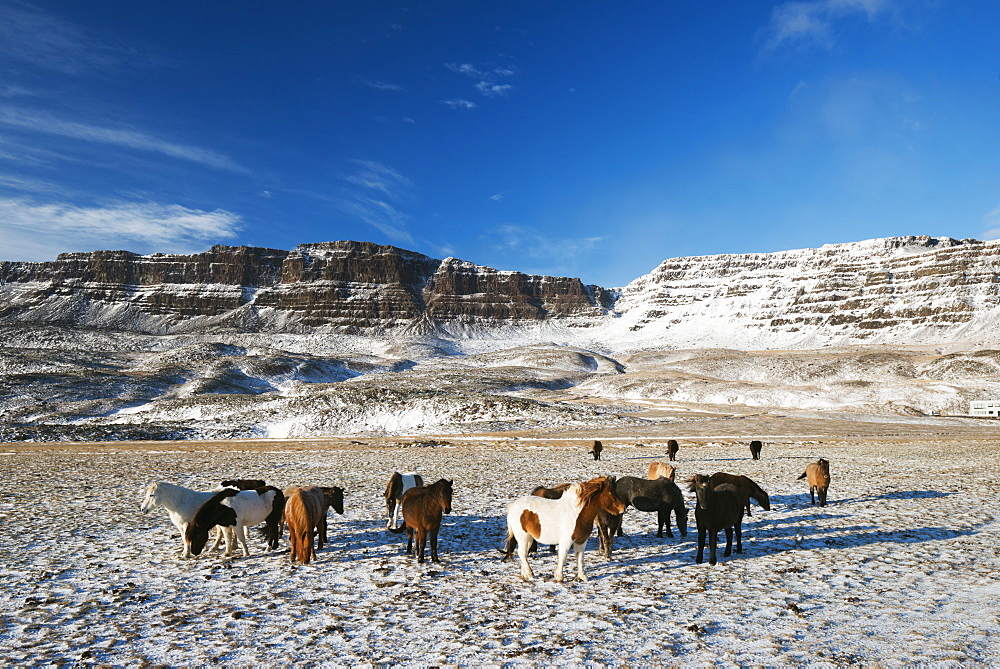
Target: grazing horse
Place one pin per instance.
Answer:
(596, 450)
(755, 447)
(658, 469)
(566, 521)
(718, 508)
(818, 475)
(231, 508)
(244, 484)
(661, 496)
(305, 514)
(672, 449)
(745, 486)
(399, 484)
(180, 503)
(422, 510)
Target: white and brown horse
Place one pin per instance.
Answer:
(567, 521)
(399, 484)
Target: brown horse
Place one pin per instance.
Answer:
(423, 507)
(596, 450)
(305, 514)
(746, 487)
(755, 448)
(718, 508)
(672, 449)
(567, 521)
(818, 475)
(244, 484)
(658, 469)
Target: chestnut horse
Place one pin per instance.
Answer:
(818, 475)
(747, 489)
(718, 508)
(305, 514)
(423, 507)
(672, 449)
(567, 521)
(658, 469)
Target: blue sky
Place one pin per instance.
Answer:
(589, 139)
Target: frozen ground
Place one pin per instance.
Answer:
(900, 567)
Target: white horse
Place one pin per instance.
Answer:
(567, 521)
(398, 484)
(232, 510)
(181, 505)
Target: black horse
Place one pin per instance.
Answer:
(718, 508)
(661, 496)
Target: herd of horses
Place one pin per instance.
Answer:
(563, 516)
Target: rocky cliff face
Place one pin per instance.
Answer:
(338, 286)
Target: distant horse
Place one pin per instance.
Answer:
(818, 475)
(658, 469)
(718, 508)
(596, 450)
(399, 484)
(422, 511)
(305, 514)
(672, 449)
(755, 447)
(231, 508)
(567, 521)
(745, 486)
(661, 496)
(180, 503)
(244, 484)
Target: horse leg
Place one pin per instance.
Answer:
(434, 545)
(701, 546)
(822, 496)
(812, 498)
(561, 560)
(241, 535)
(621, 517)
(729, 542)
(578, 549)
(409, 540)
(663, 522)
(421, 543)
(230, 540)
(713, 544)
(522, 554)
(738, 528)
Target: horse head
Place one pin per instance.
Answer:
(446, 492)
(699, 484)
(335, 498)
(150, 500)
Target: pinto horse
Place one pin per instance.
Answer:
(661, 496)
(305, 514)
(718, 508)
(747, 488)
(236, 509)
(422, 510)
(180, 503)
(566, 521)
(399, 484)
(818, 475)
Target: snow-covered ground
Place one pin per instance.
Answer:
(901, 567)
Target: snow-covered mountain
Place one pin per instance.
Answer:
(904, 290)
(352, 338)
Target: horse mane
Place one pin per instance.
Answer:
(590, 488)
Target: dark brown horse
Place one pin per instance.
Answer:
(718, 508)
(244, 484)
(747, 488)
(596, 450)
(672, 449)
(818, 475)
(423, 507)
(755, 448)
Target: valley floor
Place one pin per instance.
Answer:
(901, 567)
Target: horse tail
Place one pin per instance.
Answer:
(398, 530)
(510, 545)
(803, 475)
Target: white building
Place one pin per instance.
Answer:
(985, 408)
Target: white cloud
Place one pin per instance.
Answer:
(382, 85)
(380, 215)
(376, 176)
(375, 210)
(813, 22)
(992, 223)
(38, 231)
(460, 104)
(497, 197)
(126, 138)
(491, 90)
(527, 243)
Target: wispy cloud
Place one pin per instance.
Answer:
(380, 186)
(489, 79)
(525, 242)
(40, 122)
(381, 215)
(497, 197)
(492, 90)
(460, 104)
(35, 230)
(41, 39)
(381, 85)
(813, 23)
(373, 175)
(991, 222)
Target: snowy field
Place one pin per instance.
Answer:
(901, 567)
